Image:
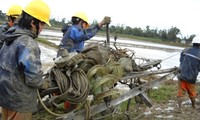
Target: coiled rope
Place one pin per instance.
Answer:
(74, 88)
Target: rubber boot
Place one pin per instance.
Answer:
(193, 101)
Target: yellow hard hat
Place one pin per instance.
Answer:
(14, 10)
(39, 10)
(82, 16)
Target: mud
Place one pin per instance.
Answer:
(170, 111)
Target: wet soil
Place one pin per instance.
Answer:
(170, 111)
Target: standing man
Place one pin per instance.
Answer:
(20, 65)
(189, 69)
(76, 35)
(12, 14)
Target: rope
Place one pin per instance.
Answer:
(75, 89)
(80, 86)
(87, 110)
(171, 56)
(44, 106)
(64, 82)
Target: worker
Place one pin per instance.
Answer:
(20, 64)
(12, 14)
(76, 35)
(189, 69)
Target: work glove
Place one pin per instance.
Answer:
(106, 20)
(46, 84)
(62, 52)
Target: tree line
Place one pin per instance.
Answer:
(172, 34)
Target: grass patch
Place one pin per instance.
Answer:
(45, 41)
(163, 94)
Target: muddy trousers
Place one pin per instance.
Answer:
(13, 115)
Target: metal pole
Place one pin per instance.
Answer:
(107, 35)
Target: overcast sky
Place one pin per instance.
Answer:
(161, 14)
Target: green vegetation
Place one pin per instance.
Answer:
(2, 16)
(148, 39)
(163, 94)
(45, 41)
(170, 35)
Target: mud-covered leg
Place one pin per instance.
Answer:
(179, 101)
(193, 101)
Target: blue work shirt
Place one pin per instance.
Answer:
(75, 37)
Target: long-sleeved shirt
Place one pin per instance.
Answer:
(75, 37)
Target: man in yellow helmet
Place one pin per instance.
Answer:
(20, 64)
(12, 14)
(76, 35)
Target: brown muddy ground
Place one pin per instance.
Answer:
(169, 111)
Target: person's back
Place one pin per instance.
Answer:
(190, 64)
(12, 14)
(4, 27)
(75, 37)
